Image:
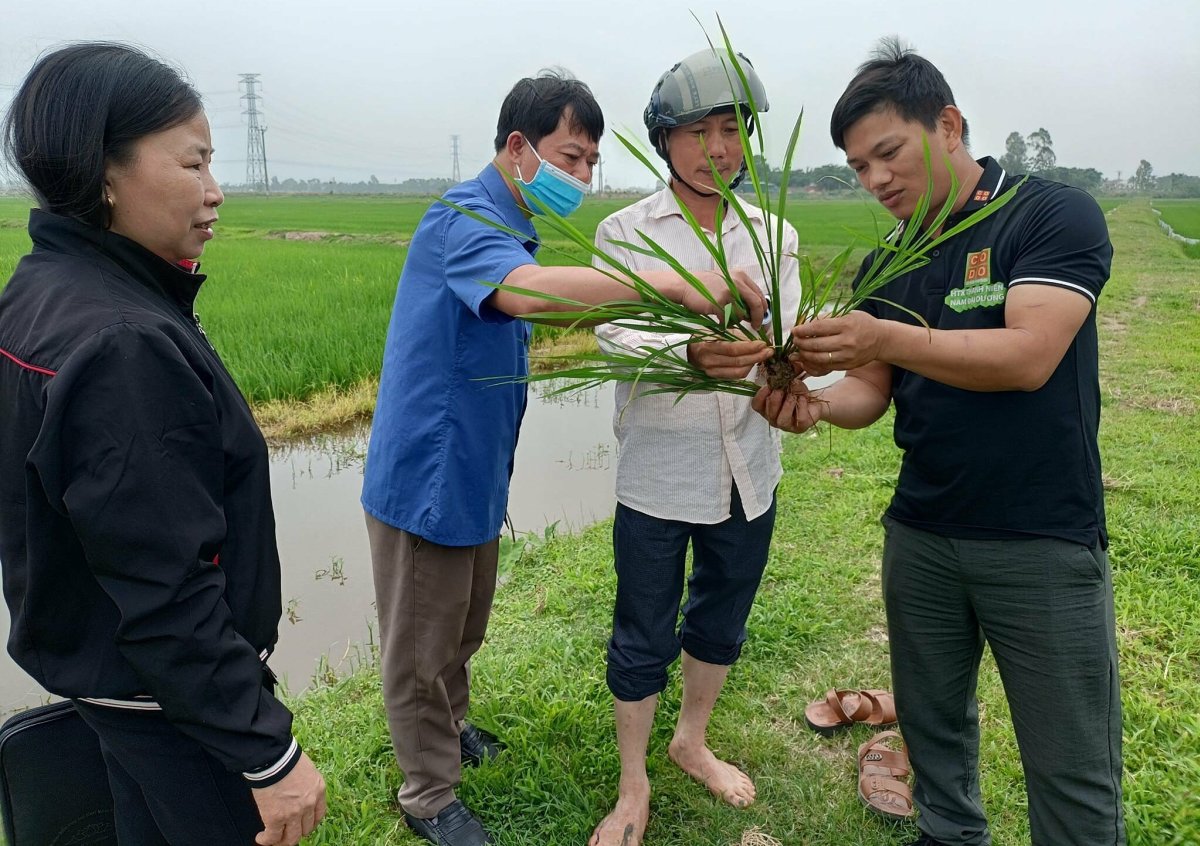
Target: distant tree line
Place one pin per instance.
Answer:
(1034, 153)
(432, 186)
(826, 179)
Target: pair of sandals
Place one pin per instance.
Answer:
(881, 766)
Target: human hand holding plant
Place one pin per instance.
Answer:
(738, 291)
(837, 343)
(728, 359)
(792, 409)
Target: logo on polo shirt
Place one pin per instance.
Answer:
(982, 195)
(978, 290)
(979, 267)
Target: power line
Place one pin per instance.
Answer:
(454, 172)
(256, 143)
(338, 149)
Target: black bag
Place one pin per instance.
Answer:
(53, 781)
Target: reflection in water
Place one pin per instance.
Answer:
(329, 615)
(565, 469)
(315, 485)
(563, 473)
(327, 586)
(597, 458)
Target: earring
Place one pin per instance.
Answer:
(108, 200)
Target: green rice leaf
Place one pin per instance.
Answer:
(824, 291)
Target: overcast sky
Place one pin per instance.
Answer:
(355, 88)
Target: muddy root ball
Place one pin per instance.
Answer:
(780, 373)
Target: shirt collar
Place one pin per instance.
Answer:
(665, 204)
(987, 188)
(511, 214)
(66, 235)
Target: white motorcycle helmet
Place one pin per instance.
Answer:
(701, 84)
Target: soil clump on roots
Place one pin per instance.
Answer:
(780, 372)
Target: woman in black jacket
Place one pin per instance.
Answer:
(136, 530)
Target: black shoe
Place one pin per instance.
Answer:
(454, 826)
(926, 840)
(476, 744)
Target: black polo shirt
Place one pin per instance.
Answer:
(1011, 463)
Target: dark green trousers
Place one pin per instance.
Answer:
(1045, 607)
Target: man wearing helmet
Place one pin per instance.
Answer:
(434, 513)
(699, 468)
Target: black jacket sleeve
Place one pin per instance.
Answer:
(135, 461)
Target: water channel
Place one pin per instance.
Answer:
(564, 471)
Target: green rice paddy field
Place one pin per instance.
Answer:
(1184, 217)
(292, 317)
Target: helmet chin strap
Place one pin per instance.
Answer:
(695, 189)
(741, 174)
(706, 192)
(666, 156)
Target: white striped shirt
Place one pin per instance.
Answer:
(677, 460)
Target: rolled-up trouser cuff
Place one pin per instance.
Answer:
(712, 653)
(632, 687)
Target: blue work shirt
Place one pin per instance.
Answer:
(444, 436)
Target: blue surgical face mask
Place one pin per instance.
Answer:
(559, 190)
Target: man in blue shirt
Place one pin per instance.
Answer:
(442, 445)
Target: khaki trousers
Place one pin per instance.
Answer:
(433, 603)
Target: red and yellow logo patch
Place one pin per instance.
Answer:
(982, 196)
(979, 268)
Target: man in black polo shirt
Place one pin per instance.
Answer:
(996, 530)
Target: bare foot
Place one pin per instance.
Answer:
(627, 822)
(724, 780)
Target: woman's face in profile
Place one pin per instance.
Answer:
(165, 198)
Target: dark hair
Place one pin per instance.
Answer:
(894, 77)
(535, 105)
(83, 106)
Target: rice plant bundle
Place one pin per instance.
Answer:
(824, 290)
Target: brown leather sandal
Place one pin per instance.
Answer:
(841, 709)
(883, 708)
(880, 768)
